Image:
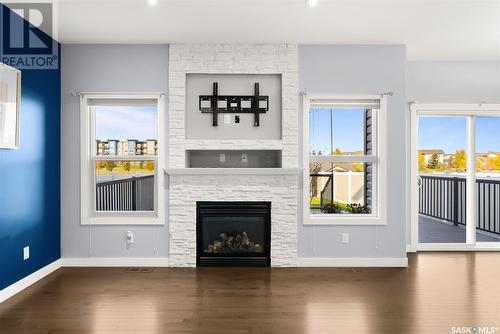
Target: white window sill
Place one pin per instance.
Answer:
(123, 221)
(347, 220)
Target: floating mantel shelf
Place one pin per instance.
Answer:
(233, 171)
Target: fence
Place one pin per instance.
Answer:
(445, 197)
(130, 194)
(343, 187)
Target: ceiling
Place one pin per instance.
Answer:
(431, 29)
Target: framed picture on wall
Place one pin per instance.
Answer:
(10, 92)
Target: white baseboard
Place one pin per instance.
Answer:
(352, 262)
(22, 284)
(115, 262)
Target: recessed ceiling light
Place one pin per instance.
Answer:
(152, 2)
(311, 2)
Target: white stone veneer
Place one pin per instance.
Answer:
(186, 190)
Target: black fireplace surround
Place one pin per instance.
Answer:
(233, 234)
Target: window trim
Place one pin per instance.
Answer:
(380, 165)
(88, 215)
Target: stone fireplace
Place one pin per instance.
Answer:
(279, 187)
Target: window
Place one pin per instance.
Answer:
(344, 159)
(121, 157)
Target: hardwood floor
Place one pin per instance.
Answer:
(436, 292)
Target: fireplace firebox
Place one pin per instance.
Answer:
(233, 234)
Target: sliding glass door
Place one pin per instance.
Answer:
(455, 187)
(442, 173)
(488, 180)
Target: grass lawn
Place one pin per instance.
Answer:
(315, 204)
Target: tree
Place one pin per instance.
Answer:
(337, 151)
(433, 162)
(109, 165)
(421, 162)
(493, 164)
(126, 165)
(460, 160)
(358, 167)
(150, 166)
(496, 163)
(99, 165)
(479, 164)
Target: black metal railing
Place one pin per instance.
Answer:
(444, 197)
(130, 194)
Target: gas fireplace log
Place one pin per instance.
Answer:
(233, 244)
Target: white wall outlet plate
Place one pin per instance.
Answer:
(244, 158)
(26, 252)
(345, 238)
(130, 237)
(222, 157)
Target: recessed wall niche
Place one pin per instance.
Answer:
(199, 125)
(233, 158)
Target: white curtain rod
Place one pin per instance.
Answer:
(389, 93)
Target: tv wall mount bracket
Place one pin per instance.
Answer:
(243, 104)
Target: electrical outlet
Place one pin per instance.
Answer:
(345, 238)
(26, 252)
(130, 237)
(222, 157)
(244, 158)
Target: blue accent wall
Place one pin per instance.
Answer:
(30, 181)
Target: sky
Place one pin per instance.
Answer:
(126, 122)
(347, 127)
(449, 133)
(446, 133)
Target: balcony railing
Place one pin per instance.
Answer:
(444, 197)
(130, 194)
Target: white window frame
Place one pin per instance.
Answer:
(470, 111)
(89, 216)
(379, 160)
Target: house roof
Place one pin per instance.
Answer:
(430, 152)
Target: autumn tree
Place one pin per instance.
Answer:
(358, 167)
(496, 163)
(126, 165)
(460, 160)
(109, 165)
(337, 151)
(421, 162)
(493, 163)
(99, 165)
(479, 164)
(150, 166)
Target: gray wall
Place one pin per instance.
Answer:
(454, 81)
(362, 70)
(199, 126)
(104, 68)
